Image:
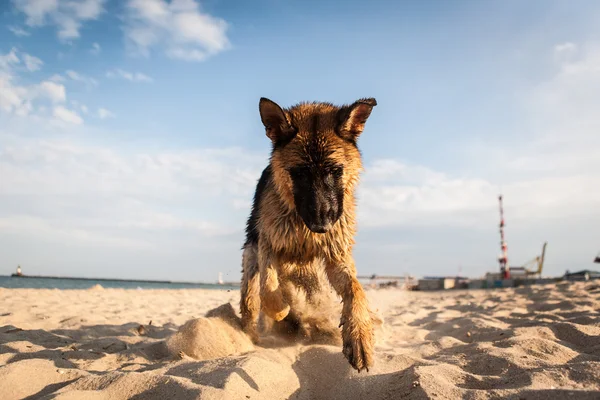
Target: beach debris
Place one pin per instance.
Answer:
(150, 323)
(416, 384)
(468, 334)
(141, 330)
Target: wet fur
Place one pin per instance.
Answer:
(302, 223)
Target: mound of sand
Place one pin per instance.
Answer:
(528, 343)
(219, 334)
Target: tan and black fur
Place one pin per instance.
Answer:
(303, 218)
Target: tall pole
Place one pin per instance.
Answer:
(503, 259)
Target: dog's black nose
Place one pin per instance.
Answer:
(320, 228)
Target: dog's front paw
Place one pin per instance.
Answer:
(358, 342)
(274, 306)
(279, 315)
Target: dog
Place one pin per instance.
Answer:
(303, 218)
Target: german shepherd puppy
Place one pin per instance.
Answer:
(303, 218)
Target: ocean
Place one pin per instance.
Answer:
(60, 283)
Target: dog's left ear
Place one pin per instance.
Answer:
(277, 127)
(352, 118)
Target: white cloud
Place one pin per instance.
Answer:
(66, 115)
(412, 197)
(87, 9)
(96, 49)
(564, 50)
(67, 15)
(461, 201)
(36, 10)
(108, 192)
(129, 76)
(103, 113)
(18, 31)
(54, 91)
(72, 168)
(32, 63)
(78, 106)
(57, 78)
(19, 99)
(9, 60)
(13, 98)
(187, 54)
(75, 76)
(33, 226)
(179, 27)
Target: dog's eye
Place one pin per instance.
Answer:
(337, 172)
(333, 174)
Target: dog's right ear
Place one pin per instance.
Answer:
(353, 118)
(277, 127)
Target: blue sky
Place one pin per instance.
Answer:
(130, 140)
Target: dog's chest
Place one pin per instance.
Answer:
(292, 241)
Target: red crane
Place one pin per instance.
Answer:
(503, 259)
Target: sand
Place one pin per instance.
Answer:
(527, 343)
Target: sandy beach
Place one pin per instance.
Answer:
(535, 342)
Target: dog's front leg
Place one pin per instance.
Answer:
(250, 292)
(272, 302)
(357, 327)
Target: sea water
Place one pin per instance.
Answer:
(58, 283)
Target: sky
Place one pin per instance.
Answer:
(131, 143)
